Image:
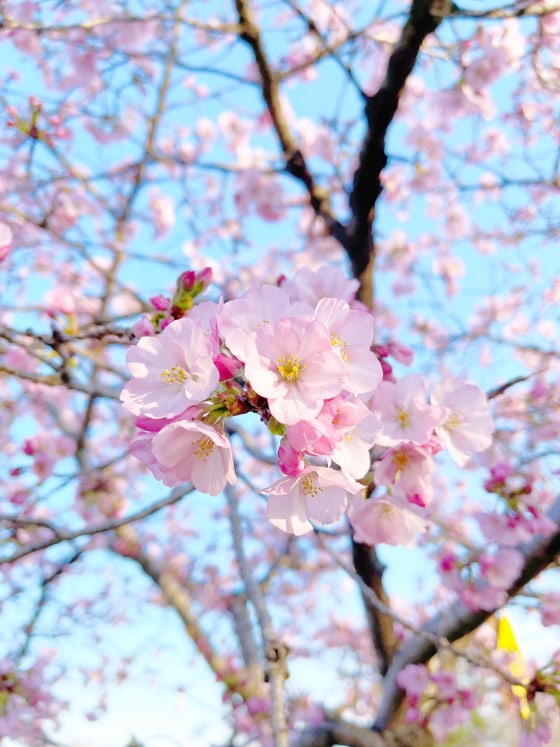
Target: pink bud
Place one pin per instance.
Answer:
(204, 277)
(447, 563)
(227, 366)
(380, 350)
(160, 303)
(187, 280)
(400, 353)
(28, 447)
(290, 461)
(434, 445)
(416, 499)
(19, 498)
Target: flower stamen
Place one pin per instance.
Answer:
(205, 447)
(309, 485)
(174, 375)
(342, 346)
(289, 367)
(403, 418)
(453, 421)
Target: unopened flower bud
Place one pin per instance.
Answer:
(186, 281)
(204, 278)
(228, 367)
(160, 303)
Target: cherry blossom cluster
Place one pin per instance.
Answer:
(36, 125)
(436, 698)
(26, 698)
(301, 356)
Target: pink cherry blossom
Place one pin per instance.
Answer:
(344, 430)
(143, 327)
(403, 413)
(262, 192)
(239, 320)
(327, 282)
(336, 422)
(352, 453)
(378, 520)
(413, 679)
(196, 452)
(170, 371)
(351, 334)
(535, 735)
(506, 529)
(141, 449)
(502, 568)
(450, 716)
(294, 366)
(550, 608)
(407, 469)
(467, 426)
(317, 494)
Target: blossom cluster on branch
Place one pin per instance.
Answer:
(300, 355)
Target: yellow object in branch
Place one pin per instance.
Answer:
(506, 641)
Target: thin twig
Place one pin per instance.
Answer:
(275, 652)
(106, 526)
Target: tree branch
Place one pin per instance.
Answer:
(331, 732)
(61, 535)
(178, 596)
(336, 732)
(458, 620)
(296, 164)
(245, 634)
(40, 605)
(275, 652)
(516, 10)
(424, 17)
(370, 569)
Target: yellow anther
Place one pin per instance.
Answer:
(453, 421)
(336, 342)
(204, 448)
(289, 367)
(174, 375)
(388, 510)
(403, 417)
(309, 485)
(401, 459)
(349, 436)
